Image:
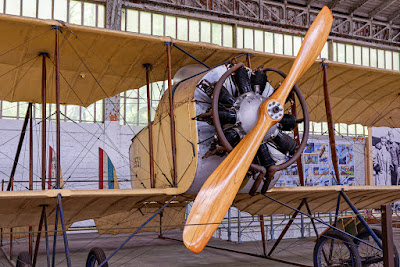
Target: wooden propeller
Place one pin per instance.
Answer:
(216, 195)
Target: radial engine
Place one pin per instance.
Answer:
(226, 101)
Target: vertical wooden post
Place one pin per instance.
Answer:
(38, 237)
(248, 59)
(149, 124)
(262, 226)
(330, 122)
(30, 171)
(297, 138)
(11, 230)
(1, 229)
(387, 236)
(369, 164)
(58, 126)
(171, 114)
(44, 107)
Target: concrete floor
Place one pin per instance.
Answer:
(146, 249)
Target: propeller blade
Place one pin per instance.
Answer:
(216, 195)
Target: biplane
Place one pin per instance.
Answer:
(209, 140)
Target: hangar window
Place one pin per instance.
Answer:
(194, 30)
(182, 29)
(78, 12)
(396, 61)
(133, 105)
(17, 110)
(227, 35)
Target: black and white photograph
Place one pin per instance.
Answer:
(386, 155)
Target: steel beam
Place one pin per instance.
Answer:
(334, 3)
(273, 16)
(381, 7)
(357, 6)
(394, 15)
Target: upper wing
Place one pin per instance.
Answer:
(358, 94)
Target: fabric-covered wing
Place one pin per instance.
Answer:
(115, 59)
(21, 208)
(319, 198)
(132, 206)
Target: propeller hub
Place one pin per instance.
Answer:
(275, 110)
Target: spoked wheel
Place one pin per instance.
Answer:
(235, 113)
(95, 257)
(24, 259)
(369, 255)
(336, 249)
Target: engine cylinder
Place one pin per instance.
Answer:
(225, 98)
(288, 122)
(232, 136)
(285, 144)
(258, 81)
(227, 116)
(242, 80)
(264, 156)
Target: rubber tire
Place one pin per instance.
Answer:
(364, 233)
(340, 236)
(24, 259)
(96, 254)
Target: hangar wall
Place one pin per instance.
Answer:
(79, 149)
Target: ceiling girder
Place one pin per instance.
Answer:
(334, 3)
(357, 6)
(381, 7)
(283, 17)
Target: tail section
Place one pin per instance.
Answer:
(107, 175)
(52, 174)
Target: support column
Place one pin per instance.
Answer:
(262, 226)
(297, 138)
(1, 229)
(30, 172)
(113, 14)
(387, 236)
(171, 114)
(248, 59)
(38, 236)
(369, 164)
(58, 126)
(149, 125)
(330, 123)
(44, 109)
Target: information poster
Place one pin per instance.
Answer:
(386, 155)
(318, 168)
